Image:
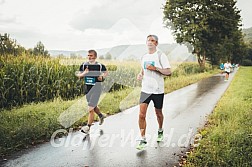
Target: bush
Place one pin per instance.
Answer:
(247, 62)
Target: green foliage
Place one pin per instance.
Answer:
(9, 46)
(108, 56)
(228, 138)
(39, 50)
(27, 79)
(29, 125)
(247, 59)
(101, 57)
(247, 62)
(189, 68)
(212, 28)
(247, 34)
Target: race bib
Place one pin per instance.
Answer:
(90, 80)
(148, 63)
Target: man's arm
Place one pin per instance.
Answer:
(164, 71)
(103, 75)
(82, 74)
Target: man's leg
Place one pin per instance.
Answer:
(95, 99)
(144, 102)
(97, 110)
(158, 104)
(160, 117)
(100, 115)
(226, 77)
(85, 129)
(142, 120)
(90, 115)
(142, 125)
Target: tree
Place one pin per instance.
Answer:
(9, 46)
(247, 56)
(101, 57)
(39, 50)
(108, 56)
(208, 26)
(73, 56)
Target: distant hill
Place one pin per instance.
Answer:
(54, 53)
(248, 34)
(132, 52)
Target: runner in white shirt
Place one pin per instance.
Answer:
(154, 65)
(227, 69)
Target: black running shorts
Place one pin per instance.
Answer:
(156, 98)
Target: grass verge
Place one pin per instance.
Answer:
(227, 137)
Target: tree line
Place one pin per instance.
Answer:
(9, 46)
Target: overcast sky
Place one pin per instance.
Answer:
(86, 24)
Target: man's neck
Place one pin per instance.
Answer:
(92, 62)
(151, 51)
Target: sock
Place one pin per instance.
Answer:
(100, 115)
(89, 125)
(160, 130)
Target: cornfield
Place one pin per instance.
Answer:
(33, 79)
(26, 79)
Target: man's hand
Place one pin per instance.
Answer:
(139, 77)
(100, 78)
(82, 74)
(151, 67)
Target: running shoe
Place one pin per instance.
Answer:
(141, 145)
(160, 136)
(101, 119)
(85, 129)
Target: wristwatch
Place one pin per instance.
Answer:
(157, 69)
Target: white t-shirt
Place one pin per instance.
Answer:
(153, 82)
(227, 67)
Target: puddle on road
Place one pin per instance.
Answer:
(185, 98)
(207, 84)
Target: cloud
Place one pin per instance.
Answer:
(81, 24)
(24, 35)
(122, 32)
(2, 2)
(246, 12)
(140, 13)
(7, 19)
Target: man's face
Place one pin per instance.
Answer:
(151, 42)
(91, 57)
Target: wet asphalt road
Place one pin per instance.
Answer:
(113, 143)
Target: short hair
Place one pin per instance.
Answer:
(154, 36)
(93, 51)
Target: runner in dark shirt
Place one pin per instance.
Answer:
(93, 74)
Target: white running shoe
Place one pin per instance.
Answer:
(85, 129)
